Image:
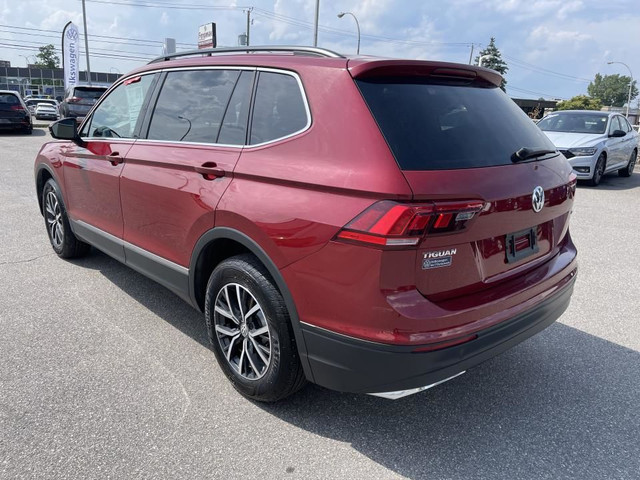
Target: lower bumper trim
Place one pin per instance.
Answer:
(405, 393)
(350, 365)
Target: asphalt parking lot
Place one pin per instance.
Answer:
(105, 374)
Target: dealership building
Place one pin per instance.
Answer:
(45, 81)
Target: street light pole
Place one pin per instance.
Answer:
(630, 84)
(86, 41)
(315, 24)
(342, 14)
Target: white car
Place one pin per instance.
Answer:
(46, 109)
(594, 142)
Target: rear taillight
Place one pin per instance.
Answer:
(18, 108)
(73, 99)
(392, 224)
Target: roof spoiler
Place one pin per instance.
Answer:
(441, 70)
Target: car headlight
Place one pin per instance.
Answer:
(583, 151)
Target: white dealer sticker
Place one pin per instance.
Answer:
(438, 259)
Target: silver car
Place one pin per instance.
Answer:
(594, 142)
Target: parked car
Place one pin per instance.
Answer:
(594, 142)
(46, 109)
(31, 105)
(371, 225)
(14, 114)
(79, 100)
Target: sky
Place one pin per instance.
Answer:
(553, 48)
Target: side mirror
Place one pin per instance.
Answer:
(618, 133)
(65, 129)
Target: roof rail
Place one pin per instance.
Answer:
(312, 51)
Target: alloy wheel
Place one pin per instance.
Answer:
(242, 331)
(599, 171)
(53, 216)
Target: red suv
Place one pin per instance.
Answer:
(370, 225)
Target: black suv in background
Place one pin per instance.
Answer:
(79, 100)
(14, 114)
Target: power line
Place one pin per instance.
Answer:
(158, 42)
(535, 68)
(509, 87)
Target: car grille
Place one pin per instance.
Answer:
(567, 153)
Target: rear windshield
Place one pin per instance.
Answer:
(8, 99)
(89, 92)
(435, 126)
(574, 123)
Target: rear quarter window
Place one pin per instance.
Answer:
(441, 126)
(279, 109)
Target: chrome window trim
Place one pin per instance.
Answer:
(195, 144)
(203, 144)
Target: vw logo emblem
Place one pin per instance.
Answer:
(537, 199)
(72, 34)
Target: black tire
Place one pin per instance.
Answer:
(263, 381)
(628, 170)
(28, 131)
(62, 239)
(598, 171)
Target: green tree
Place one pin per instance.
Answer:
(47, 57)
(495, 61)
(612, 90)
(580, 102)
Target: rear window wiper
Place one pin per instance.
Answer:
(527, 153)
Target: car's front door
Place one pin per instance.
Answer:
(175, 175)
(93, 166)
(615, 145)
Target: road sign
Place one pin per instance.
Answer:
(207, 36)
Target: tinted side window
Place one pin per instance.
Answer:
(626, 126)
(117, 115)
(191, 105)
(279, 108)
(234, 126)
(615, 125)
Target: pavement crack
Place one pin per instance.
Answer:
(14, 262)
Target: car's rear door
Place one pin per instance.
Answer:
(174, 176)
(92, 167)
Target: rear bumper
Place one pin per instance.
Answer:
(347, 364)
(18, 122)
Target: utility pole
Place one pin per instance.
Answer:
(471, 54)
(86, 41)
(248, 23)
(315, 24)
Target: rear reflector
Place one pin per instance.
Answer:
(392, 224)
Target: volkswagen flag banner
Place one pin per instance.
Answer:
(70, 55)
